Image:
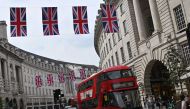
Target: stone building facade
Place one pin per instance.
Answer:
(147, 28)
(18, 69)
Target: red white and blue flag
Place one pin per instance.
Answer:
(61, 77)
(38, 81)
(18, 22)
(49, 79)
(109, 19)
(50, 21)
(72, 75)
(80, 20)
(82, 73)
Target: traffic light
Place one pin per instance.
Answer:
(56, 94)
(188, 34)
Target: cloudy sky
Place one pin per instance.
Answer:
(67, 46)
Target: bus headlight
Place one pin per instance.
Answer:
(122, 85)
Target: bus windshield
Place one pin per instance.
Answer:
(117, 74)
(123, 99)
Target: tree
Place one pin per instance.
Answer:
(176, 64)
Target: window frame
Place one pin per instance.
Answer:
(179, 18)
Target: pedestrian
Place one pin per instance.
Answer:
(171, 103)
(146, 102)
(181, 104)
(158, 102)
(188, 102)
(151, 103)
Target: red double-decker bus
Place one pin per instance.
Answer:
(112, 88)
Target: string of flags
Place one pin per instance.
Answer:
(18, 20)
(61, 77)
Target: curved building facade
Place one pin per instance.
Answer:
(18, 69)
(147, 29)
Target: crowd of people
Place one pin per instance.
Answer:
(150, 102)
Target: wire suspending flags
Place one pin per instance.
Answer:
(80, 20)
(109, 18)
(18, 22)
(50, 21)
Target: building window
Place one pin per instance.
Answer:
(179, 17)
(109, 41)
(122, 54)
(117, 58)
(33, 90)
(125, 26)
(186, 52)
(107, 48)
(29, 90)
(121, 9)
(104, 52)
(113, 37)
(26, 90)
(109, 62)
(113, 63)
(129, 50)
(119, 36)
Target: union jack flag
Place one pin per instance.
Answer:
(109, 19)
(38, 81)
(61, 77)
(50, 21)
(82, 73)
(49, 79)
(18, 22)
(72, 75)
(80, 20)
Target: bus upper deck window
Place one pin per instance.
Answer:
(127, 73)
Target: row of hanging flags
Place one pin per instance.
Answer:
(61, 77)
(18, 20)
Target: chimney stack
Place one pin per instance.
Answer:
(3, 30)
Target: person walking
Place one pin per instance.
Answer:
(151, 103)
(182, 103)
(188, 102)
(171, 103)
(146, 102)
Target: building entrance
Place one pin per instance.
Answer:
(159, 84)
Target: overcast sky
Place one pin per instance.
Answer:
(65, 47)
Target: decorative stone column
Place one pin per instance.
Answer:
(6, 75)
(155, 15)
(3, 30)
(21, 87)
(139, 18)
(1, 78)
